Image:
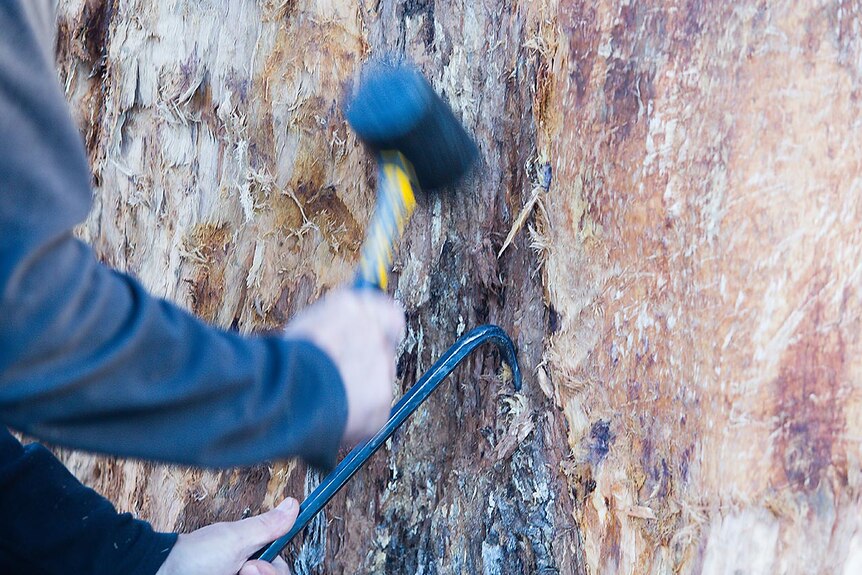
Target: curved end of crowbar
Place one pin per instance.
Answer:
(504, 344)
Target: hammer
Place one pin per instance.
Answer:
(419, 145)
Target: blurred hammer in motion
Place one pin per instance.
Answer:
(419, 145)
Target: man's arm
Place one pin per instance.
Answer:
(50, 523)
(87, 358)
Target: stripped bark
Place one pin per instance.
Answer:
(684, 288)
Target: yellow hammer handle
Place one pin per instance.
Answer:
(396, 201)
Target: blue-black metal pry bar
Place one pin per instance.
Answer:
(411, 400)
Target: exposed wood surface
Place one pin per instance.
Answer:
(684, 285)
(704, 258)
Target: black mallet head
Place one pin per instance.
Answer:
(396, 108)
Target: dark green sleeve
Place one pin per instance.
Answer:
(88, 358)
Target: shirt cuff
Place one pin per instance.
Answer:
(326, 409)
(150, 552)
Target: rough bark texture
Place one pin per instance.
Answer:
(685, 292)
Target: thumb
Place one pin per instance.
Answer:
(267, 527)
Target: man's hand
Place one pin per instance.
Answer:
(224, 548)
(359, 330)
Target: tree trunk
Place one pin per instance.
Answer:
(684, 290)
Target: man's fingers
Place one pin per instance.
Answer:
(389, 313)
(277, 567)
(255, 532)
(394, 322)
